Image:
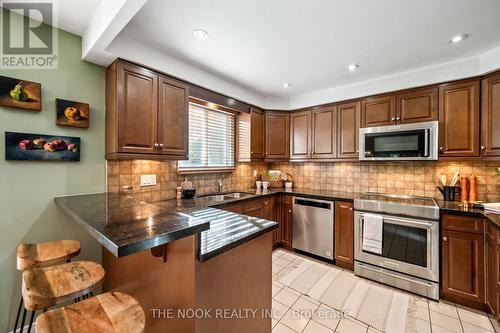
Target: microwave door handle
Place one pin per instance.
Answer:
(426, 143)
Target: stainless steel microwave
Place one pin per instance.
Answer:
(417, 141)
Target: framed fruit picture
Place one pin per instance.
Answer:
(70, 113)
(21, 94)
(41, 147)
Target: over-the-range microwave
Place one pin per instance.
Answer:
(417, 141)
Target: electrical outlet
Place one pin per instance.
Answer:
(148, 180)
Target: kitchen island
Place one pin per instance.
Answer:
(193, 268)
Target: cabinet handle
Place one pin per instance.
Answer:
(445, 239)
(344, 206)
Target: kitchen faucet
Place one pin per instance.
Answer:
(219, 185)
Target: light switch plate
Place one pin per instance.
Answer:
(148, 180)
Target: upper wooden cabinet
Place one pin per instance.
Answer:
(300, 135)
(146, 114)
(417, 106)
(490, 116)
(257, 133)
(324, 132)
(348, 128)
(378, 111)
(277, 135)
(313, 134)
(459, 119)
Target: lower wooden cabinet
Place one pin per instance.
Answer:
(463, 266)
(254, 208)
(236, 207)
(344, 234)
(286, 220)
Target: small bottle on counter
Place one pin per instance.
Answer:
(179, 193)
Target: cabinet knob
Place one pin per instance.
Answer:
(483, 147)
(393, 118)
(265, 203)
(441, 149)
(251, 152)
(289, 210)
(156, 145)
(398, 118)
(350, 209)
(445, 239)
(161, 145)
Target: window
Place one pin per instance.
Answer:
(211, 139)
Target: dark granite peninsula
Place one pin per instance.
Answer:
(180, 256)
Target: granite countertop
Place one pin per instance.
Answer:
(455, 207)
(125, 225)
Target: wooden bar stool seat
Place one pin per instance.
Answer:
(46, 254)
(43, 288)
(110, 312)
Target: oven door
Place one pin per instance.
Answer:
(408, 246)
(399, 142)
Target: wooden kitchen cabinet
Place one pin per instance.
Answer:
(490, 116)
(417, 106)
(286, 221)
(146, 114)
(300, 135)
(347, 129)
(271, 213)
(492, 269)
(459, 119)
(324, 133)
(344, 234)
(463, 264)
(254, 207)
(277, 129)
(235, 207)
(378, 111)
(257, 133)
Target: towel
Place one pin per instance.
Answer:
(372, 233)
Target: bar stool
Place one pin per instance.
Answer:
(106, 313)
(42, 255)
(46, 287)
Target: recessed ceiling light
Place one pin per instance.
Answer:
(352, 67)
(287, 84)
(200, 34)
(457, 38)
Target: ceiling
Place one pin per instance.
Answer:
(261, 44)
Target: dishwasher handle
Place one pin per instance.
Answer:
(313, 203)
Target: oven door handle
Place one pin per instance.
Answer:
(394, 275)
(404, 221)
(426, 143)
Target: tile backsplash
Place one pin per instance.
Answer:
(412, 178)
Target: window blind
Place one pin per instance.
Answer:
(244, 137)
(211, 139)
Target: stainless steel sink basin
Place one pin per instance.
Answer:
(225, 196)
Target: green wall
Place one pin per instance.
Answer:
(27, 189)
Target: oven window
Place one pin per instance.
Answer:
(406, 244)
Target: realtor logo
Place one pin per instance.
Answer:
(29, 39)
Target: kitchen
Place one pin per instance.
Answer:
(354, 196)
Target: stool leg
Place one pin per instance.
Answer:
(21, 328)
(18, 314)
(31, 321)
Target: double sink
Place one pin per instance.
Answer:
(224, 196)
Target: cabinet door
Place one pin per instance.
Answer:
(490, 117)
(463, 268)
(417, 106)
(137, 90)
(236, 207)
(173, 118)
(491, 269)
(300, 135)
(344, 234)
(286, 226)
(324, 132)
(254, 208)
(459, 119)
(378, 111)
(256, 133)
(277, 135)
(348, 130)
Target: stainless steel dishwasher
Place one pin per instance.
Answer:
(313, 226)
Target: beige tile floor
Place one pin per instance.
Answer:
(310, 296)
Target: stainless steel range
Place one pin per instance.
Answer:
(404, 252)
